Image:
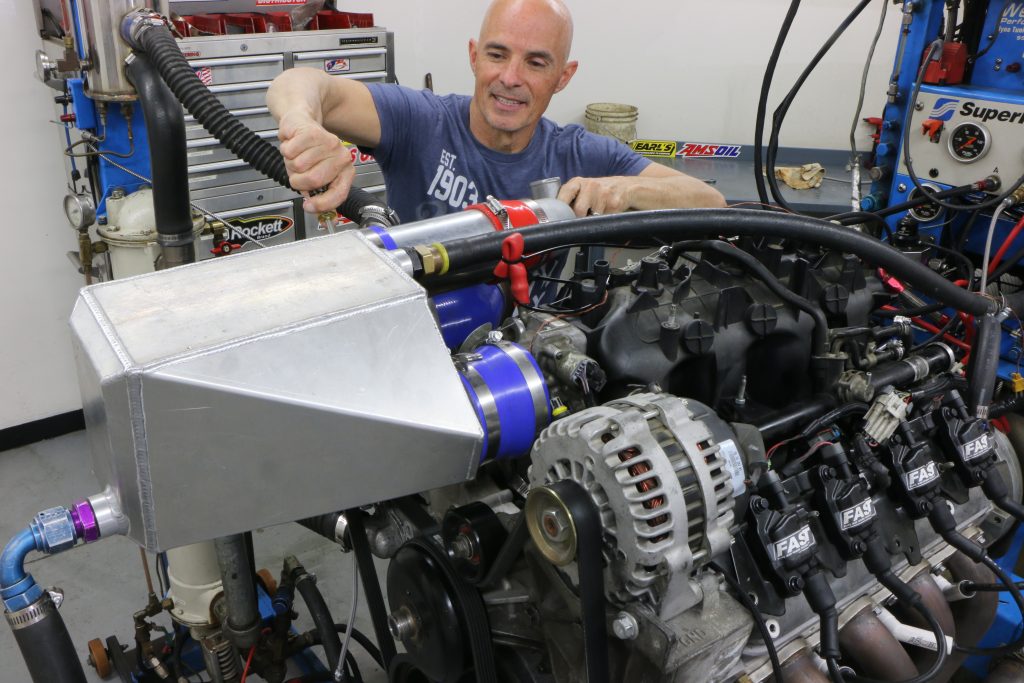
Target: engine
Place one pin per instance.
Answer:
(693, 453)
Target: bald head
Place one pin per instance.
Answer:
(552, 14)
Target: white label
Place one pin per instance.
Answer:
(857, 515)
(922, 476)
(734, 464)
(794, 543)
(976, 448)
(200, 153)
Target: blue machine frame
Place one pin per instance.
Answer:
(991, 79)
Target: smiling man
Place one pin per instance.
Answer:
(439, 154)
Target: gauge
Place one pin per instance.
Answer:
(928, 211)
(969, 142)
(80, 210)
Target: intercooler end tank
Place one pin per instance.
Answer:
(266, 387)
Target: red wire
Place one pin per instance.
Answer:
(248, 661)
(1006, 245)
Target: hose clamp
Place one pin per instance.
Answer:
(180, 239)
(32, 614)
(136, 23)
(374, 214)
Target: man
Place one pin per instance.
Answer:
(441, 154)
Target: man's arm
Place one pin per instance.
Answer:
(312, 109)
(656, 187)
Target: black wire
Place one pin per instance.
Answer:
(943, 331)
(759, 621)
(1017, 598)
(783, 108)
(933, 671)
(762, 102)
(861, 216)
(48, 16)
(992, 38)
(968, 267)
(908, 120)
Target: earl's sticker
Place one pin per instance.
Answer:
(341, 65)
(794, 543)
(654, 148)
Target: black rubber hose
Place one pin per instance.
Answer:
(321, 616)
(165, 126)
(46, 645)
(679, 224)
(852, 217)
(322, 524)
(981, 372)
(762, 102)
(780, 113)
(161, 47)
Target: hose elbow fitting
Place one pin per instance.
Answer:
(136, 23)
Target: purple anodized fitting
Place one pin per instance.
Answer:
(85, 521)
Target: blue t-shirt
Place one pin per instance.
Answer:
(434, 165)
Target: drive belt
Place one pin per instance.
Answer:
(590, 564)
(371, 586)
(470, 608)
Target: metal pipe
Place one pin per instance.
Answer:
(800, 668)
(974, 616)
(874, 650)
(1009, 670)
(243, 622)
(935, 602)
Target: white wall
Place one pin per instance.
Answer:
(37, 283)
(693, 67)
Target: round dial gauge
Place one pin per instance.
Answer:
(928, 211)
(969, 142)
(80, 210)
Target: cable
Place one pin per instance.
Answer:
(930, 675)
(935, 47)
(1006, 244)
(351, 620)
(994, 36)
(854, 155)
(759, 622)
(208, 214)
(988, 244)
(762, 102)
(248, 663)
(783, 108)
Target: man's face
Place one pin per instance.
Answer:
(519, 63)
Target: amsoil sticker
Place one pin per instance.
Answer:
(342, 65)
(696, 149)
(259, 227)
(654, 148)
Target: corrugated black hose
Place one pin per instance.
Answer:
(160, 46)
(679, 224)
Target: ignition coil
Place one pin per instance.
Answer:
(969, 444)
(787, 536)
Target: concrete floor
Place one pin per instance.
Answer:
(104, 583)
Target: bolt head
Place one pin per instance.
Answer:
(796, 583)
(555, 524)
(625, 626)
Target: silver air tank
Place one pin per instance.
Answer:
(106, 51)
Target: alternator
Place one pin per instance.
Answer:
(662, 473)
